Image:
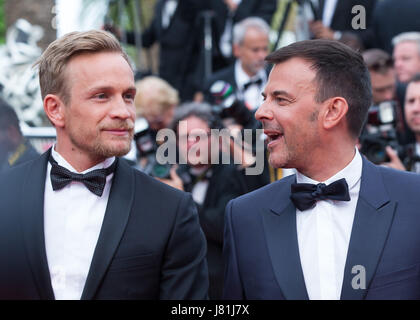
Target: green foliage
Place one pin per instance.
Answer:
(2, 22)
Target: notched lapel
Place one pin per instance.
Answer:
(282, 242)
(32, 219)
(371, 226)
(115, 220)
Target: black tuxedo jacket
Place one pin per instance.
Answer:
(392, 17)
(225, 184)
(150, 244)
(342, 17)
(178, 53)
(247, 8)
(261, 246)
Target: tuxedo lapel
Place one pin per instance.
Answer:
(115, 219)
(372, 222)
(281, 235)
(32, 219)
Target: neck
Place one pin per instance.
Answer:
(326, 163)
(249, 73)
(418, 137)
(78, 159)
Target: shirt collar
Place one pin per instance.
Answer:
(62, 162)
(242, 78)
(352, 173)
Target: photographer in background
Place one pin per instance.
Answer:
(384, 132)
(155, 101)
(14, 148)
(411, 158)
(212, 184)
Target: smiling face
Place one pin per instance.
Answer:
(99, 118)
(289, 114)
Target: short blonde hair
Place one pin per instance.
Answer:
(154, 96)
(53, 61)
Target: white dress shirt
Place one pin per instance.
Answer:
(252, 96)
(168, 11)
(417, 164)
(329, 9)
(72, 221)
(225, 43)
(324, 235)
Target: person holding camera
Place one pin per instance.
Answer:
(384, 133)
(211, 182)
(155, 102)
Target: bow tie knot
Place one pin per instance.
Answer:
(305, 195)
(250, 83)
(319, 192)
(94, 180)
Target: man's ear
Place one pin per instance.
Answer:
(334, 112)
(54, 109)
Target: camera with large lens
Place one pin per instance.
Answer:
(227, 105)
(145, 140)
(379, 132)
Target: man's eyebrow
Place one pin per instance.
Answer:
(110, 88)
(282, 93)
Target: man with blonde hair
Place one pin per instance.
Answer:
(79, 222)
(156, 100)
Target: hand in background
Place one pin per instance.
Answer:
(395, 161)
(320, 31)
(174, 180)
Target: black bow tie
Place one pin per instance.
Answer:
(250, 83)
(305, 195)
(94, 180)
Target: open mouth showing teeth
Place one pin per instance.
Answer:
(272, 136)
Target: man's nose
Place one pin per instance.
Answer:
(122, 109)
(263, 112)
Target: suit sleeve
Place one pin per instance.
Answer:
(232, 282)
(184, 272)
(266, 10)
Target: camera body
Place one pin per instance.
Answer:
(145, 140)
(380, 131)
(227, 105)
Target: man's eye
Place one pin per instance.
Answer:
(129, 96)
(101, 96)
(281, 100)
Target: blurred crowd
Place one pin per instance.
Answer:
(211, 75)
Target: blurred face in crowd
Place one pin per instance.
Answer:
(194, 141)
(412, 107)
(289, 114)
(252, 51)
(98, 121)
(407, 60)
(383, 85)
(159, 120)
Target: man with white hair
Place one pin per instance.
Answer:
(247, 75)
(406, 55)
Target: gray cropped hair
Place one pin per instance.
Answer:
(200, 110)
(407, 37)
(241, 27)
